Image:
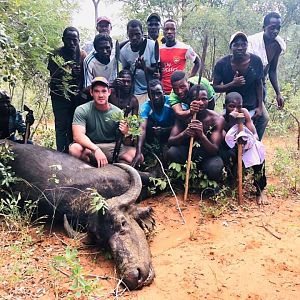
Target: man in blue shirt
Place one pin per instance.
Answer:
(158, 119)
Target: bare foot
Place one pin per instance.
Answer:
(262, 199)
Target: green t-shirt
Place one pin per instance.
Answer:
(193, 80)
(98, 124)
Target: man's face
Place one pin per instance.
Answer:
(103, 49)
(100, 94)
(157, 94)
(71, 40)
(135, 36)
(103, 27)
(201, 98)
(181, 88)
(273, 28)
(170, 31)
(233, 106)
(153, 28)
(127, 83)
(239, 47)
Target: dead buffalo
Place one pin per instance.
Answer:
(59, 182)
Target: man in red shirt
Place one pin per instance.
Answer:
(173, 56)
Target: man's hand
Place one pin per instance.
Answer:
(137, 160)
(100, 158)
(76, 70)
(238, 80)
(123, 127)
(280, 101)
(197, 128)
(258, 112)
(194, 107)
(157, 131)
(29, 119)
(139, 63)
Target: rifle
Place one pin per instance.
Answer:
(141, 53)
(188, 166)
(119, 138)
(156, 56)
(29, 112)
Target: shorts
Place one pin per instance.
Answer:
(108, 150)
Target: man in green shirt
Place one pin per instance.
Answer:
(94, 131)
(180, 91)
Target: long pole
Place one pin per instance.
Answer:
(240, 120)
(189, 158)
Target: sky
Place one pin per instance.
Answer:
(84, 18)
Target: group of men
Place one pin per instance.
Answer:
(153, 83)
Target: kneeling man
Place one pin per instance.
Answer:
(207, 130)
(94, 131)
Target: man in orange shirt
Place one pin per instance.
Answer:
(173, 56)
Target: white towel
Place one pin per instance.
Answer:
(256, 45)
(253, 150)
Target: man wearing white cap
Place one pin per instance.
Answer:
(103, 26)
(94, 131)
(242, 72)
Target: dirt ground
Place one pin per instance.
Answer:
(250, 253)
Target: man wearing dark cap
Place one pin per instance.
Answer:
(153, 26)
(94, 131)
(242, 72)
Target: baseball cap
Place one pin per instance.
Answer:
(103, 18)
(237, 34)
(154, 15)
(100, 79)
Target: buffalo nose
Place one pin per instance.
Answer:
(134, 279)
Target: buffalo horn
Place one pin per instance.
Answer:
(132, 193)
(73, 234)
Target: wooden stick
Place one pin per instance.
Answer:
(240, 119)
(188, 166)
(189, 160)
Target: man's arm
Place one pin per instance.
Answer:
(138, 158)
(259, 95)
(178, 134)
(135, 105)
(274, 79)
(195, 68)
(223, 88)
(210, 145)
(183, 114)
(81, 138)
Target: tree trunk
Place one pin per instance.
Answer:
(96, 4)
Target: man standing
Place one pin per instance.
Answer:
(100, 62)
(180, 93)
(268, 45)
(94, 130)
(158, 119)
(153, 26)
(207, 130)
(103, 27)
(138, 52)
(173, 56)
(11, 121)
(242, 72)
(66, 71)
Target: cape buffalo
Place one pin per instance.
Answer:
(59, 182)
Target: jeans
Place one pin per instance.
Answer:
(63, 114)
(261, 122)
